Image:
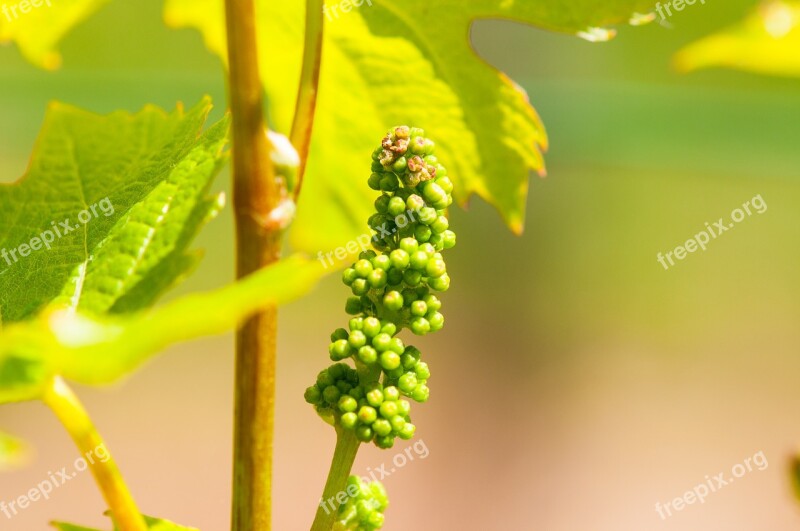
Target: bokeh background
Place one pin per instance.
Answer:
(576, 383)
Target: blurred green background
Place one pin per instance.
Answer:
(577, 382)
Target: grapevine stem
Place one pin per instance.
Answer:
(256, 194)
(69, 410)
(343, 458)
(309, 87)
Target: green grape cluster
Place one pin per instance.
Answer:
(364, 510)
(394, 287)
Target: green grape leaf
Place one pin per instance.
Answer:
(102, 219)
(39, 27)
(13, 452)
(388, 63)
(766, 42)
(153, 524)
(100, 350)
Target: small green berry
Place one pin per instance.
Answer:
(399, 258)
(348, 404)
(389, 360)
(349, 420)
(393, 300)
(367, 414)
(313, 395)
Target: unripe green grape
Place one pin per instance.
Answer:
(399, 258)
(349, 420)
(436, 321)
(433, 193)
(409, 245)
(339, 333)
(374, 181)
(331, 394)
(396, 206)
(391, 393)
(339, 349)
(408, 382)
(407, 432)
(382, 203)
(420, 326)
(389, 360)
(444, 181)
(441, 283)
(382, 427)
(377, 279)
(381, 262)
(419, 308)
(422, 233)
(357, 339)
(405, 407)
(374, 397)
(400, 165)
(365, 433)
(421, 393)
(363, 268)
(389, 409)
(371, 326)
(356, 323)
(368, 255)
(398, 423)
(440, 225)
(412, 277)
(388, 328)
(348, 404)
(367, 414)
(419, 260)
(394, 276)
(389, 183)
(436, 268)
(360, 287)
(414, 203)
(344, 386)
(393, 300)
(313, 395)
(448, 239)
(433, 302)
(437, 241)
(428, 215)
(396, 345)
(349, 275)
(324, 379)
(422, 371)
(384, 442)
(394, 374)
(381, 341)
(367, 355)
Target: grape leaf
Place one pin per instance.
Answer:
(100, 350)
(153, 524)
(101, 221)
(766, 42)
(387, 63)
(39, 28)
(13, 452)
